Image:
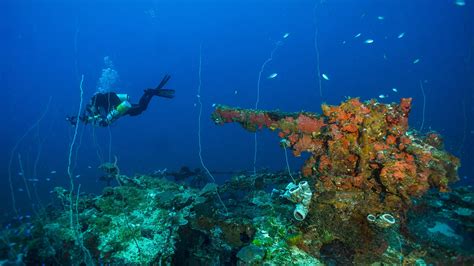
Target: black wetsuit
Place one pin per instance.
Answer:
(102, 104)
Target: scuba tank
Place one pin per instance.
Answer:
(118, 111)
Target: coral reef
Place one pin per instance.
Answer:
(128, 224)
(160, 221)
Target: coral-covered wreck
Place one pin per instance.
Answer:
(364, 164)
(371, 192)
(363, 148)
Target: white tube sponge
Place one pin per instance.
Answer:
(302, 208)
(301, 195)
(306, 193)
(300, 212)
(371, 218)
(292, 192)
(385, 220)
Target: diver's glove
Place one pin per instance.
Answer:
(72, 120)
(103, 123)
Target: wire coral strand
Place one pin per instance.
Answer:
(424, 106)
(71, 147)
(22, 171)
(40, 148)
(79, 236)
(14, 150)
(257, 101)
(199, 130)
(75, 228)
(288, 164)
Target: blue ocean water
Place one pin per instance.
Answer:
(46, 47)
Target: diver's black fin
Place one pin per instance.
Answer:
(165, 93)
(163, 82)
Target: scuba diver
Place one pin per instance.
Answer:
(105, 108)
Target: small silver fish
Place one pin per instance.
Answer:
(90, 167)
(53, 172)
(460, 3)
(48, 179)
(77, 176)
(369, 41)
(20, 173)
(380, 18)
(357, 35)
(401, 35)
(272, 76)
(382, 96)
(325, 76)
(394, 89)
(416, 61)
(286, 35)
(21, 190)
(235, 92)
